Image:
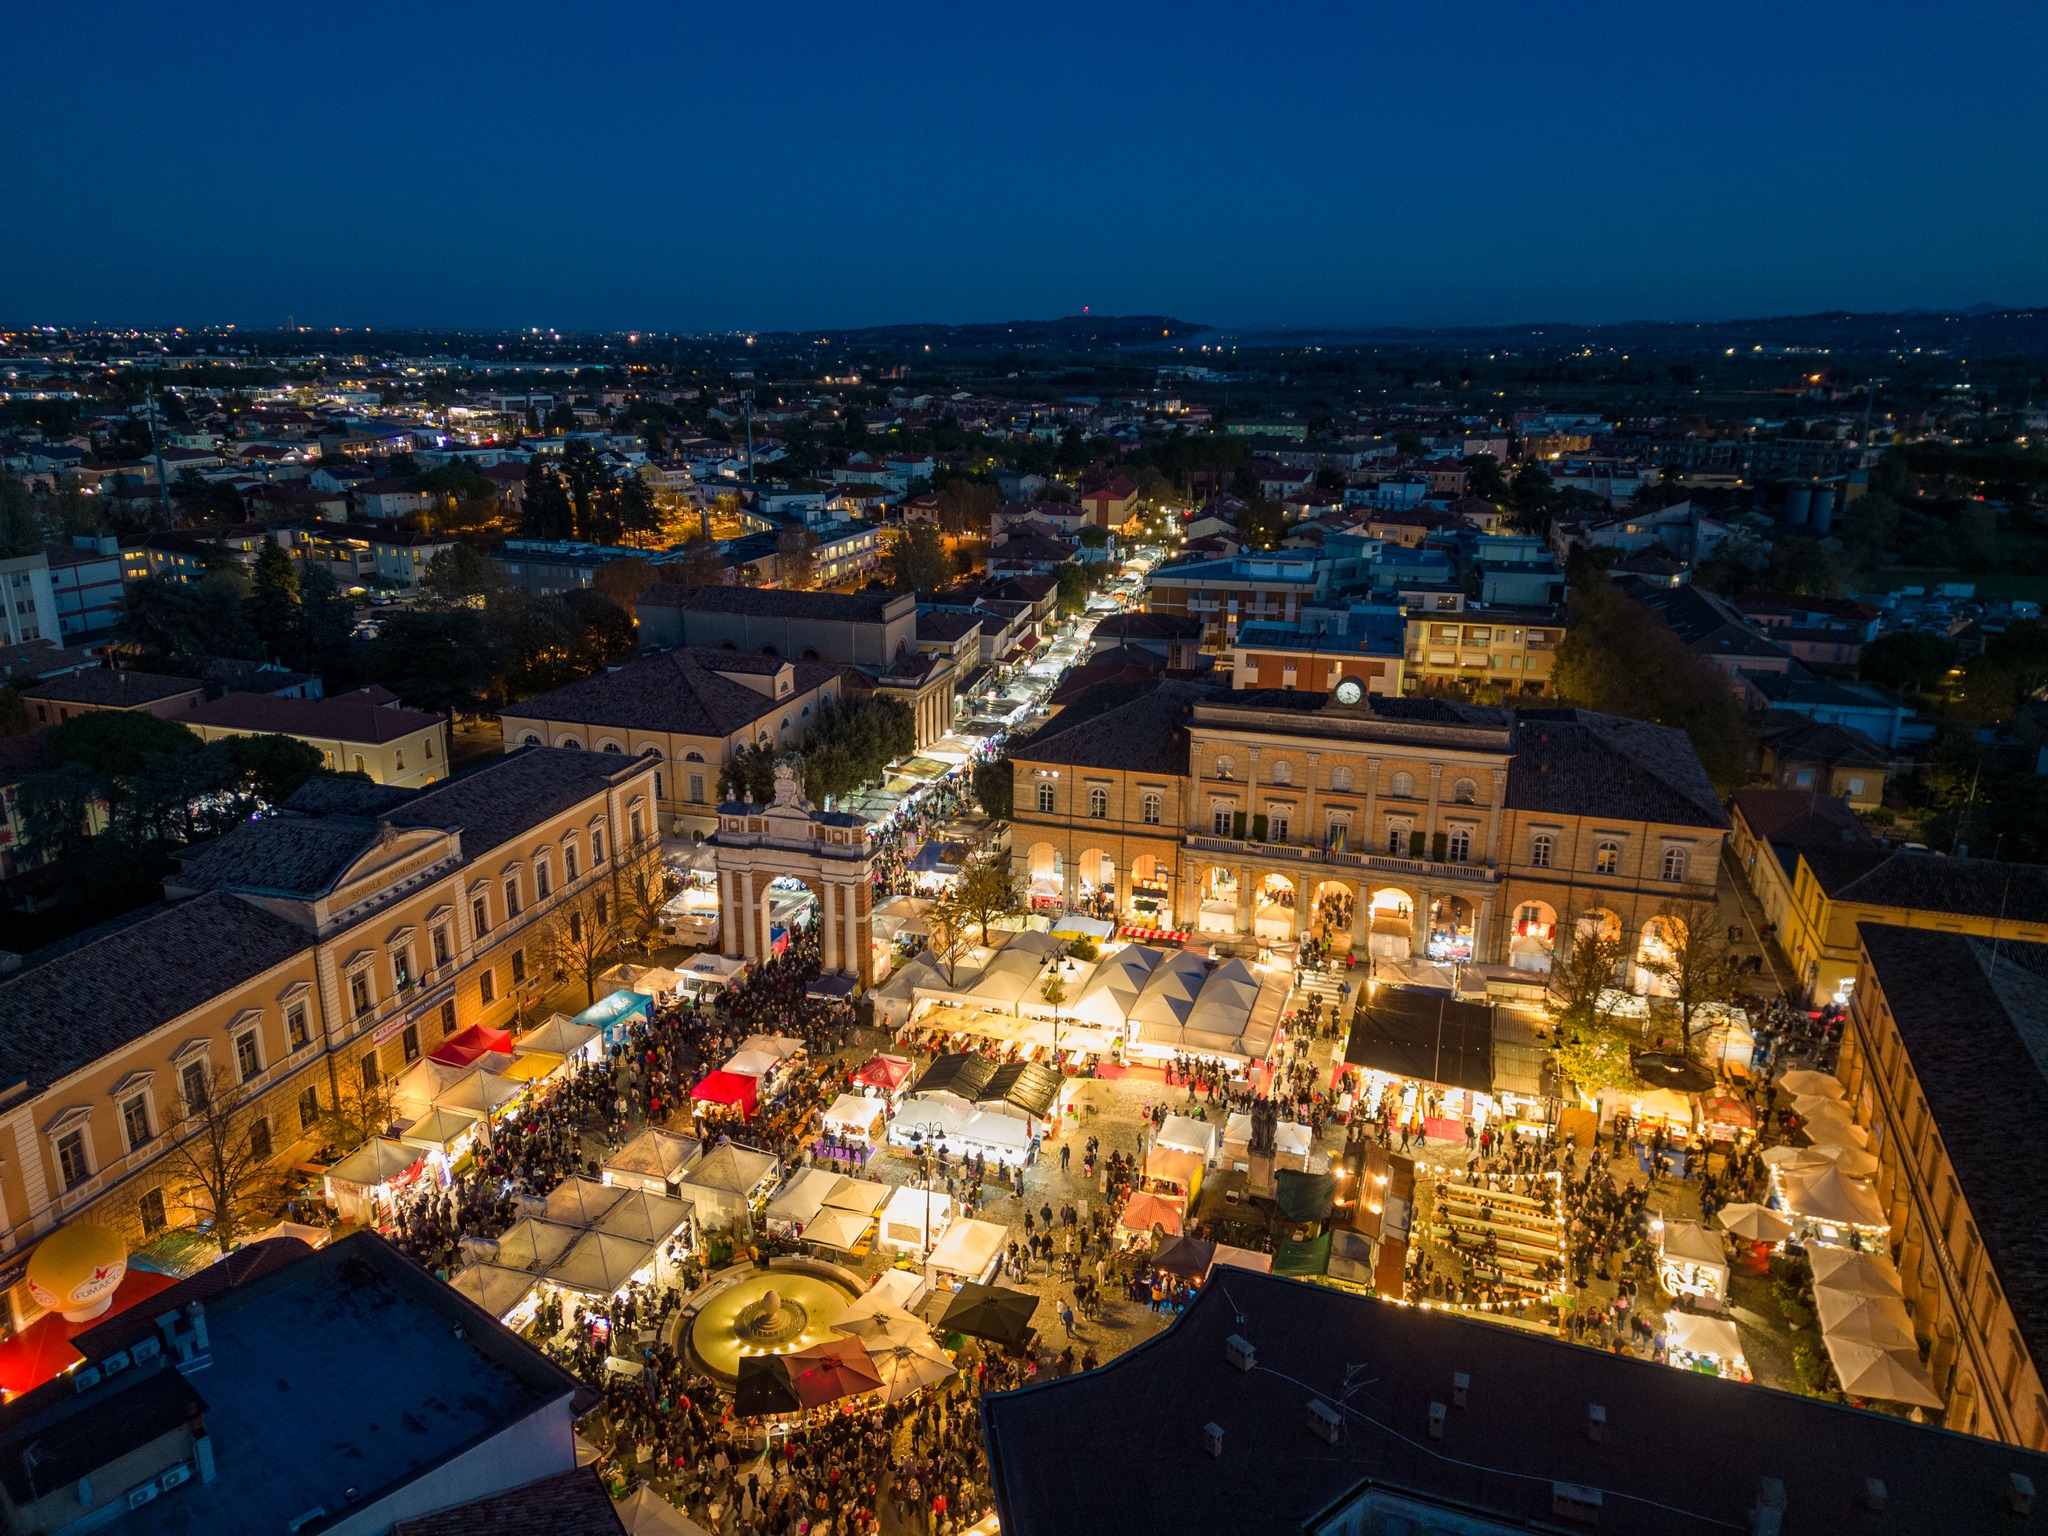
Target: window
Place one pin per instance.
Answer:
(1464, 792)
(439, 940)
(359, 764)
(1402, 787)
(1098, 804)
(72, 1161)
(1340, 778)
(635, 826)
(569, 862)
(575, 927)
(1397, 840)
(518, 966)
(696, 789)
(401, 967)
(247, 1061)
(1855, 786)
(309, 1108)
(398, 757)
(1674, 863)
(486, 986)
(359, 993)
(135, 1121)
(150, 1208)
(1149, 810)
(259, 1138)
(604, 910)
(658, 790)
(409, 1041)
(542, 880)
(1283, 772)
(370, 1074)
(1045, 799)
(597, 845)
(512, 896)
(447, 1018)
(480, 916)
(295, 1032)
(1219, 821)
(1540, 848)
(1225, 767)
(428, 743)
(1277, 824)
(1458, 846)
(1607, 859)
(1803, 779)
(193, 1082)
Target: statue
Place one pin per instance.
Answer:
(1265, 1126)
(789, 795)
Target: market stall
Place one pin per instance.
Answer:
(1690, 1259)
(601, 1264)
(728, 1184)
(1863, 1274)
(1829, 1207)
(1889, 1375)
(363, 1184)
(1155, 1215)
(580, 1202)
(969, 1252)
(1241, 1258)
(481, 1095)
(1187, 1134)
(644, 1217)
(730, 1091)
(894, 1289)
(577, 1043)
(798, 1202)
(853, 1126)
(656, 1160)
(509, 1295)
(657, 981)
(707, 975)
(928, 1121)
(616, 1013)
(914, 1220)
(1645, 1108)
(1757, 1229)
(843, 1231)
(1000, 1138)
(1709, 1345)
(534, 1245)
(885, 1076)
(466, 1047)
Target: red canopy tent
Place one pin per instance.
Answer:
(887, 1073)
(43, 1350)
(1146, 1211)
(465, 1046)
(741, 1092)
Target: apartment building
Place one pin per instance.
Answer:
(366, 731)
(1363, 643)
(292, 960)
(28, 604)
(80, 693)
(1511, 649)
(1241, 589)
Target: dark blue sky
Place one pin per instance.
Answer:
(758, 165)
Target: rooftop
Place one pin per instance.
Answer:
(1574, 762)
(567, 1504)
(352, 717)
(105, 688)
(687, 691)
(770, 602)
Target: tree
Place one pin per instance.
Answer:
(448, 662)
(796, 558)
(1582, 986)
(21, 529)
(15, 719)
(853, 739)
(1697, 964)
(702, 565)
(272, 767)
(749, 775)
(220, 1158)
(994, 782)
(582, 938)
(967, 506)
(1073, 588)
(645, 890)
(624, 580)
(987, 888)
(1054, 991)
(2010, 670)
(1910, 659)
(362, 1104)
(1484, 476)
(918, 561)
(460, 574)
(545, 512)
(274, 600)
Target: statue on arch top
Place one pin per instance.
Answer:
(789, 795)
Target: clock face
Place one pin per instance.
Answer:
(1348, 691)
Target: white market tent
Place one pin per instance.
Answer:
(991, 1131)
(654, 980)
(750, 1063)
(414, 1090)
(496, 1289)
(1753, 1223)
(654, 1160)
(1012, 974)
(724, 1181)
(909, 1365)
(1225, 1002)
(1868, 1370)
(857, 1116)
(1714, 1337)
(479, 1095)
(968, 1251)
(600, 1264)
(925, 1117)
(895, 998)
(709, 972)
(904, 1288)
(534, 1245)
(1879, 1320)
(646, 1513)
(437, 1130)
(565, 1037)
(866, 1196)
(1073, 925)
(1801, 1081)
(1854, 1161)
(842, 1230)
(800, 1200)
(1241, 1258)
(1829, 1196)
(1858, 1274)
(914, 1218)
(1188, 1134)
(579, 1202)
(1168, 999)
(781, 1047)
(352, 1182)
(1106, 998)
(645, 1217)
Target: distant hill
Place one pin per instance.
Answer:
(1072, 330)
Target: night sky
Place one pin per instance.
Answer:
(671, 166)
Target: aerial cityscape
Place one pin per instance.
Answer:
(783, 803)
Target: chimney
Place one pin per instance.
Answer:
(1237, 1349)
(1324, 1422)
(2019, 1493)
(1461, 1384)
(1437, 1414)
(1212, 1440)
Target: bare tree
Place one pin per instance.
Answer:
(987, 888)
(1582, 982)
(220, 1160)
(645, 889)
(581, 938)
(362, 1107)
(1696, 962)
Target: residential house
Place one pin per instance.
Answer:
(1243, 589)
(392, 499)
(1834, 760)
(1320, 650)
(78, 693)
(366, 731)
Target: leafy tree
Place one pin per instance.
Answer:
(749, 775)
(272, 767)
(21, 529)
(853, 740)
(273, 606)
(645, 890)
(1073, 591)
(361, 1104)
(119, 741)
(327, 619)
(796, 558)
(460, 574)
(446, 661)
(545, 512)
(1485, 478)
(1260, 524)
(608, 633)
(2010, 670)
(624, 580)
(14, 716)
(1092, 537)
(967, 506)
(542, 644)
(1909, 659)
(221, 1170)
(918, 560)
(176, 624)
(1529, 499)
(702, 565)
(995, 788)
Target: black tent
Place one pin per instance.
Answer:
(1662, 1070)
(992, 1312)
(1425, 1035)
(961, 1073)
(1188, 1257)
(1025, 1084)
(764, 1388)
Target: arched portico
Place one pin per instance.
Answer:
(789, 840)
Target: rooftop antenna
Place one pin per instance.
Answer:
(156, 449)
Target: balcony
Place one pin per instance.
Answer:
(1305, 853)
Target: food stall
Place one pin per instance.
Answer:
(648, 1218)
(1646, 1107)
(1188, 1134)
(914, 1220)
(657, 981)
(968, 1253)
(798, 1202)
(708, 975)
(1757, 1229)
(728, 1184)
(1708, 1345)
(1000, 1138)
(1171, 1172)
(656, 1161)
(601, 1264)
(730, 1092)
(533, 1245)
(1690, 1259)
(367, 1180)
(1829, 1207)
(852, 1127)
(885, 1076)
(1725, 1119)
(579, 1044)
(1149, 1215)
(512, 1296)
(445, 1135)
(617, 1013)
(466, 1047)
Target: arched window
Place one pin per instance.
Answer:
(1403, 786)
(1674, 863)
(529, 740)
(1464, 792)
(1541, 847)
(1225, 767)
(572, 742)
(611, 746)
(1340, 778)
(1283, 772)
(1607, 859)
(1098, 804)
(1151, 810)
(693, 757)
(1045, 799)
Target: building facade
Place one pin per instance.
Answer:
(1511, 649)
(1449, 831)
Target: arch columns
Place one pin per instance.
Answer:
(1418, 932)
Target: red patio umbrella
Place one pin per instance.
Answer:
(826, 1372)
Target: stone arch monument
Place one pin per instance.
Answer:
(790, 839)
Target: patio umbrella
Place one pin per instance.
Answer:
(1834, 1130)
(906, 1368)
(884, 1328)
(992, 1312)
(1144, 1211)
(1896, 1375)
(647, 1513)
(1188, 1257)
(1856, 1274)
(1755, 1223)
(826, 1372)
(764, 1388)
(1801, 1081)
(1879, 1320)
